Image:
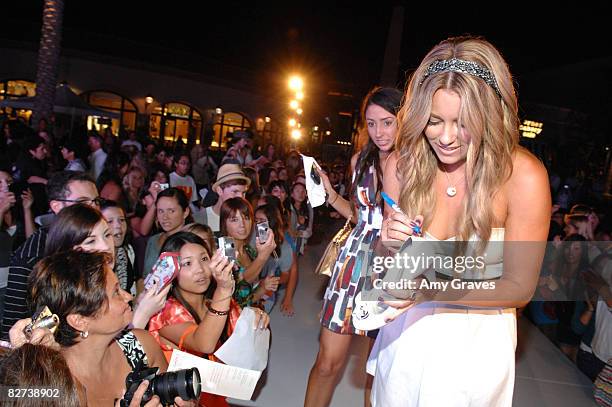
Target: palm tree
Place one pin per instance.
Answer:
(48, 59)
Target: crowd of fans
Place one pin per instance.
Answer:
(72, 210)
(84, 219)
(572, 305)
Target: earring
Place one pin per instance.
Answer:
(84, 334)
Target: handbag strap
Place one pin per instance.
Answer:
(341, 235)
(347, 225)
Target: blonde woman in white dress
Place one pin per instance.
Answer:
(460, 171)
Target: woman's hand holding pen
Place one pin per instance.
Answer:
(398, 227)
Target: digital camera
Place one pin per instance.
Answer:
(42, 318)
(227, 246)
(185, 384)
(262, 231)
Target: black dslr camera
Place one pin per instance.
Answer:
(182, 383)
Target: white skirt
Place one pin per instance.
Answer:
(431, 358)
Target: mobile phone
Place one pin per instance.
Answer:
(166, 269)
(227, 246)
(262, 231)
(164, 186)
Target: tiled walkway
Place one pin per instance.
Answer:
(544, 377)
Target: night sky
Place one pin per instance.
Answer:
(339, 45)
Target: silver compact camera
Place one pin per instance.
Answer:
(262, 231)
(227, 246)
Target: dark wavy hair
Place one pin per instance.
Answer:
(71, 227)
(389, 99)
(70, 282)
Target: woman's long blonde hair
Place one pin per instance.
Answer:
(491, 120)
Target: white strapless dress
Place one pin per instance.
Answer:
(446, 355)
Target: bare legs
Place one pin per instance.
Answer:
(333, 350)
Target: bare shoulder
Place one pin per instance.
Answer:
(528, 173)
(391, 167)
(528, 199)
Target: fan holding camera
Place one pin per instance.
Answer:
(15, 207)
(200, 312)
(237, 223)
(16, 225)
(285, 263)
(83, 293)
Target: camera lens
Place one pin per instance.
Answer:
(182, 383)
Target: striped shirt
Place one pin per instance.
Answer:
(20, 268)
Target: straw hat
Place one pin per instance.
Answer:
(229, 172)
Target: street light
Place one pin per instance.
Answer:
(148, 100)
(296, 134)
(296, 83)
(292, 122)
(267, 119)
(299, 95)
(294, 104)
(299, 111)
(218, 110)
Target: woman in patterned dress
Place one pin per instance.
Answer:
(378, 117)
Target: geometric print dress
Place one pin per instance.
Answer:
(349, 272)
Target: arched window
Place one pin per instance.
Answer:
(15, 89)
(227, 122)
(113, 102)
(176, 120)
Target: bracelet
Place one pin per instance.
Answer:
(332, 203)
(211, 301)
(218, 313)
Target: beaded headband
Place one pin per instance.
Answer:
(462, 66)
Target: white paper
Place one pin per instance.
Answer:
(316, 193)
(217, 378)
(246, 347)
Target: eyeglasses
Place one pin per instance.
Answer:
(98, 201)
